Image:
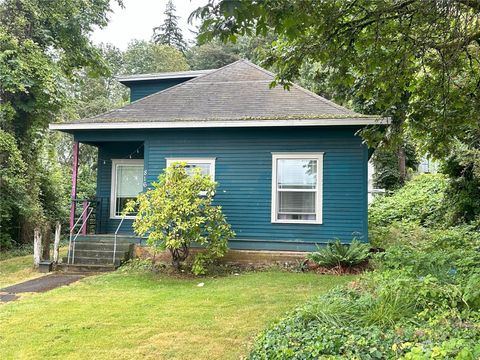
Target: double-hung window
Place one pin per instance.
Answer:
(127, 183)
(297, 187)
(206, 165)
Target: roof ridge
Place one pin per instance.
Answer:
(318, 97)
(306, 91)
(248, 62)
(221, 68)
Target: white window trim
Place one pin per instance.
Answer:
(209, 161)
(113, 189)
(319, 199)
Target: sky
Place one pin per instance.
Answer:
(138, 18)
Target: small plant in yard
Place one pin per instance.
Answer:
(178, 212)
(341, 255)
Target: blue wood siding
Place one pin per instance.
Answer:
(107, 152)
(244, 173)
(140, 89)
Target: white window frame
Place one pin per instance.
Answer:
(209, 161)
(113, 189)
(319, 198)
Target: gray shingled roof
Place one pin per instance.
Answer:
(236, 92)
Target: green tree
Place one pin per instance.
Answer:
(42, 46)
(178, 212)
(143, 57)
(417, 60)
(93, 94)
(169, 33)
(14, 199)
(387, 170)
(215, 53)
(212, 55)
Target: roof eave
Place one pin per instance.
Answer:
(220, 124)
(161, 76)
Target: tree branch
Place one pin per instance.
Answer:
(474, 4)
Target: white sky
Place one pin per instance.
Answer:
(138, 18)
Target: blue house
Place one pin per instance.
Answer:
(291, 170)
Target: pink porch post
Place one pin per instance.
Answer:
(74, 183)
(84, 219)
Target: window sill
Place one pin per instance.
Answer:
(121, 217)
(311, 222)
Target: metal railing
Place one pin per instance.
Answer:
(115, 239)
(73, 239)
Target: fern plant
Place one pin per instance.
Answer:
(338, 254)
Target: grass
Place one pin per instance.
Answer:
(20, 268)
(17, 269)
(128, 315)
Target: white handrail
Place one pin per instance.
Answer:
(73, 228)
(78, 233)
(115, 239)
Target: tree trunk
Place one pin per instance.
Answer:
(56, 244)
(179, 255)
(402, 167)
(37, 246)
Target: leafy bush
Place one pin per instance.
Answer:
(420, 201)
(463, 169)
(342, 255)
(421, 302)
(178, 212)
(387, 314)
(310, 334)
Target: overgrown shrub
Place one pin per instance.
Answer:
(178, 212)
(337, 333)
(341, 255)
(463, 193)
(421, 201)
(416, 305)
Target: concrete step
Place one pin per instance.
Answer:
(81, 268)
(94, 261)
(101, 246)
(107, 238)
(120, 254)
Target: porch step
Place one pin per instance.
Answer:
(94, 253)
(84, 268)
(100, 246)
(107, 238)
(95, 261)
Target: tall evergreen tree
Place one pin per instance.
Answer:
(169, 33)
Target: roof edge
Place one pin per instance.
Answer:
(163, 76)
(221, 124)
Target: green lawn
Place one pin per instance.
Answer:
(20, 268)
(134, 315)
(17, 269)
